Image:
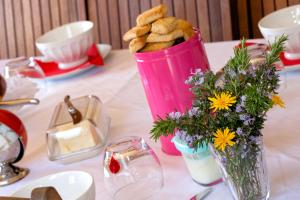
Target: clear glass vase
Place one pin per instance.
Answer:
(244, 169)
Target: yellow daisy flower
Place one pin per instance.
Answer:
(278, 101)
(222, 101)
(223, 138)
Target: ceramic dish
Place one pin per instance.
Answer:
(71, 185)
(68, 43)
(104, 50)
(284, 21)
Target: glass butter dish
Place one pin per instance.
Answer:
(78, 129)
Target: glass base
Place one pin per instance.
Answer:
(210, 184)
(251, 181)
(10, 174)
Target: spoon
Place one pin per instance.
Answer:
(19, 102)
(75, 114)
(13, 101)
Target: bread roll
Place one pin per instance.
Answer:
(137, 44)
(151, 15)
(136, 32)
(154, 37)
(164, 25)
(155, 46)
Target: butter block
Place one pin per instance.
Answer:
(72, 138)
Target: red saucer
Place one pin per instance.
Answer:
(51, 69)
(286, 63)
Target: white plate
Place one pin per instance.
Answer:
(71, 185)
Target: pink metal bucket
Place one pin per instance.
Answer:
(163, 74)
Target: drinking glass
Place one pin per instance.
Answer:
(132, 169)
(24, 79)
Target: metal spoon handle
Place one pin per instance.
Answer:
(75, 114)
(19, 101)
(13, 198)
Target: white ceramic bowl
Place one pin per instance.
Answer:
(67, 44)
(71, 185)
(284, 21)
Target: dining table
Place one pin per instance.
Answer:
(118, 85)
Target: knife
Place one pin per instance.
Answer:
(202, 194)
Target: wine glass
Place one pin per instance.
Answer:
(132, 169)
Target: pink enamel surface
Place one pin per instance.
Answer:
(163, 74)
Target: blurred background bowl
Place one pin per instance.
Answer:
(75, 185)
(284, 21)
(67, 44)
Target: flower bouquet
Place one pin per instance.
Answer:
(228, 113)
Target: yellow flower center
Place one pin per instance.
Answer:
(221, 101)
(223, 138)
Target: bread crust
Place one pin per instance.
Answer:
(154, 37)
(164, 25)
(137, 44)
(151, 15)
(186, 27)
(136, 32)
(183, 24)
(155, 46)
(188, 33)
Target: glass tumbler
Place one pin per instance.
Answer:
(24, 79)
(200, 163)
(132, 170)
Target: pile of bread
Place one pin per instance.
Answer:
(154, 31)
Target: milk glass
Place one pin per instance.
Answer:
(200, 163)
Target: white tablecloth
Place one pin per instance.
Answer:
(119, 87)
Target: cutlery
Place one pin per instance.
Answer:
(19, 101)
(12, 102)
(75, 114)
(202, 194)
